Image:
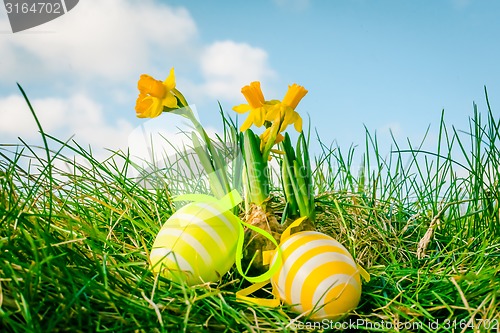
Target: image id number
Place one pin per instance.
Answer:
(35, 8)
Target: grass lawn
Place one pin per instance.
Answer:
(75, 242)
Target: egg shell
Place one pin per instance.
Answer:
(318, 276)
(197, 244)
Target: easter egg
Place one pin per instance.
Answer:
(197, 244)
(318, 276)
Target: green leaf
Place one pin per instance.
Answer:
(256, 167)
(218, 189)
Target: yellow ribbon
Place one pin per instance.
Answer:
(242, 295)
(267, 256)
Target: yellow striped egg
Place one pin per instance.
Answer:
(196, 244)
(318, 276)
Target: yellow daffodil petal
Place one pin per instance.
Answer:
(265, 136)
(169, 82)
(296, 120)
(154, 95)
(148, 107)
(289, 117)
(246, 124)
(293, 96)
(298, 124)
(142, 106)
(257, 91)
(256, 105)
(253, 94)
(279, 138)
(170, 101)
(242, 108)
(273, 113)
(149, 85)
(258, 116)
(156, 108)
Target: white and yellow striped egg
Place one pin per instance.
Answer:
(196, 244)
(318, 276)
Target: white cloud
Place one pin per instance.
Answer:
(164, 136)
(157, 138)
(16, 119)
(77, 115)
(112, 41)
(103, 38)
(107, 43)
(227, 66)
(163, 146)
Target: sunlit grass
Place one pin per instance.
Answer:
(75, 235)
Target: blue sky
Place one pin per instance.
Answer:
(387, 65)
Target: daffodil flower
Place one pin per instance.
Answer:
(284, 111)
(256, 105)
(267, 135)
(154, 95)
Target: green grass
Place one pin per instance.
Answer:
(74, 240)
